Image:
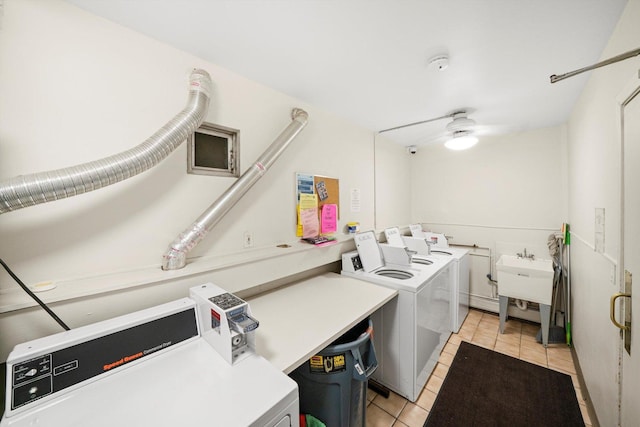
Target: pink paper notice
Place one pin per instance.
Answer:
(309, 219)
(329, 218)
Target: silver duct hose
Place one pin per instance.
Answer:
(28, 190)
(176, 255)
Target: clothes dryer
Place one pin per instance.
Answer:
(149, 368)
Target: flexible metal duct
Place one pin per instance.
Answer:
(28, 190)
(176, 255)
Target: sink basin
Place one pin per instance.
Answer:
(525, 279)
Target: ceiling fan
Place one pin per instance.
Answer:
(462, 130)
(459, 133)
(460, 114)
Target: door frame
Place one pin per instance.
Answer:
(630, 91)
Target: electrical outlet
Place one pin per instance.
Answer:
(248, 239)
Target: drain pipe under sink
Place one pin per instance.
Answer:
(176, 255)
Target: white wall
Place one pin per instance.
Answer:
(512, 181)
(594, 175)
(76, 88)
(505, 194)
(393, 184)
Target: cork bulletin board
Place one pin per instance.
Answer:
(314, 192)
(328, 191)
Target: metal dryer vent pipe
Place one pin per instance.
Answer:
(28, 190)
(176, 255)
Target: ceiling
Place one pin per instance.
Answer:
(368, 60)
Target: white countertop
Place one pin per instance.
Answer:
(299, 320)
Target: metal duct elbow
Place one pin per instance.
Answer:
(28, 190)
(176, 255)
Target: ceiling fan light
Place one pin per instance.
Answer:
(461, 141)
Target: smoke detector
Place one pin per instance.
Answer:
(439, 62)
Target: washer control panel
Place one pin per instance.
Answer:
(32, 379)
(70, 358)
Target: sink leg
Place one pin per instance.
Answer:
(504, 305)
(545, 316)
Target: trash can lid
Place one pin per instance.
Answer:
(354, 333)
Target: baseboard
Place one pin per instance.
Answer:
(583, 389)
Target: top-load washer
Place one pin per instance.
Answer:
(412, 329)
(155, 367)
(396, 239)
(436, 244)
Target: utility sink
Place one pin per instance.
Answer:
(526, 279)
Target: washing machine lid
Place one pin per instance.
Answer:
(438, 239)
(394, 238)
(369, 251)
(416, 230)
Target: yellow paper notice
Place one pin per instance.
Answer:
(308, 201)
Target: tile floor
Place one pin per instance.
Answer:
(480, 328)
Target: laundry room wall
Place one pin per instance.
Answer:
(505, 194)
(80, 88)
(393, 184)
(594, 181)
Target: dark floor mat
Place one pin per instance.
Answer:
(487, 388)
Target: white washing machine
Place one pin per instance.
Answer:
(411, 330)
(149, 368)
(437, 245)
(395, 239)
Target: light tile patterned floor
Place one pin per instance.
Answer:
(480, 328)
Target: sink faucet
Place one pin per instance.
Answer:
(525, 255)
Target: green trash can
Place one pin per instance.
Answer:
(333, 383)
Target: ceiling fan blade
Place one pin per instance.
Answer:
(495, 130)
(439, 138)
(459, 115)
